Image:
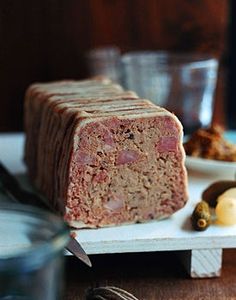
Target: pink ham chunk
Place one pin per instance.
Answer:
(83, 158)
(167, 144)
(115, 203)
(127, 157)
(109, 143)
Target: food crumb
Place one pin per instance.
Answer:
(73, 234)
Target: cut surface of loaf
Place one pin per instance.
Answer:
(103, 156)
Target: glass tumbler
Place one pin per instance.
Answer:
(105, 61)
(182, 83)
(31, 253)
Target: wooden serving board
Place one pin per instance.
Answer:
(201, 252)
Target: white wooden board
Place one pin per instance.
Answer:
(174, 233)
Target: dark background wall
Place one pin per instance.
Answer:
(47, 39)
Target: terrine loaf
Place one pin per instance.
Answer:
(101, 155)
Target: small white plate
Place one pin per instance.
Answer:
(209, 166)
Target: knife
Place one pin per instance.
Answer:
(14, 190)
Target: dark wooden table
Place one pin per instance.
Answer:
(150, 276)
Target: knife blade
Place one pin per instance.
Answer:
(17, 193)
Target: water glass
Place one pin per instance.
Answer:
(105, 61)
(31, 253)
(182, 83)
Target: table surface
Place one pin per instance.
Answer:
(154, 275)
(149, 276)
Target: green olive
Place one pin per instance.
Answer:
(201, 216)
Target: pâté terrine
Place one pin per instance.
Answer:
(101, 155)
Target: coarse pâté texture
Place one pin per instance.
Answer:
(101, 155)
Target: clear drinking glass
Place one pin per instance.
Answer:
(182, 83)
(105, 61)
(31, 253)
